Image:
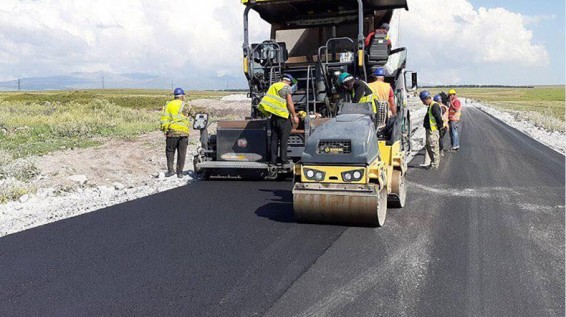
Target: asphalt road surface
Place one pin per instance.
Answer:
(482, 236)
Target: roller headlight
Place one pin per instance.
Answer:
(314, 175)
(353, 176)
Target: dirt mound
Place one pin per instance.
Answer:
(221, 108)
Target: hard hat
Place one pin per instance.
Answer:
(289, 78)
(425, 94)
(179, 92)
(385, 26)
(452, 92)
(379, 72)
(344, 78)
(437, 98)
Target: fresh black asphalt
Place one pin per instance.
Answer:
(482, 236)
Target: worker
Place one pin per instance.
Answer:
(454, 115)
(175, 124)
(432, 124)
(444, 108)
(278, 103)
(360, 91)
(382, 91)
(383, 29)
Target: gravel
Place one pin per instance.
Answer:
(239, 97)
(553, 139)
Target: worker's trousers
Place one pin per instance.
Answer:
(179, 145)
(433, 147)
(455, 134)
(441, 140)
(280, 131)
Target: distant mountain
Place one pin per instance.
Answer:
(87, 81)
(97, 80)
(46, 83)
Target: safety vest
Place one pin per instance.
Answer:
(272, 103)
(454, 115)
(381, 90)
(431, 118)
(173, 119)
(369, 98)
(444, 114)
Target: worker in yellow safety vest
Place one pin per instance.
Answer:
(359, 90)
(432, 123)
(382, 91)
(278, 103)
(175, 124)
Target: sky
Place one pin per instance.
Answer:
(198, 45)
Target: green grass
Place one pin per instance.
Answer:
(37, 123)
(130, 98)
(544, 100)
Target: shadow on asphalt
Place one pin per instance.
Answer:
(416, 163)
(280, 208)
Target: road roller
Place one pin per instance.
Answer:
(350, 171)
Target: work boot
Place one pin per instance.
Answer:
(169, 174)
(455, 149)
(180, 175)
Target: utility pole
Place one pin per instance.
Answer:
(172, 86)
(102, 82)
(19, 85)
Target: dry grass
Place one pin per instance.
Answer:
(41, 122)
(15, 176)
(37, 123)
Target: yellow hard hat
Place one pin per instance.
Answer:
(452, 92)
(302, 114)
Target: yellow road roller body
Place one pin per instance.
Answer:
(347, 175)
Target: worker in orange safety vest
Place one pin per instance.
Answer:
(454, 115)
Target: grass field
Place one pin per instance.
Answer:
(539, 99)
(543, 106)
(129, 98)
(36, 123)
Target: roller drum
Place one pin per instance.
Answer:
(398, 194)
(340, 203)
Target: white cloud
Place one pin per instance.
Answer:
(448, 38)
(535, 19)
(181, 39)
(171, 38)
